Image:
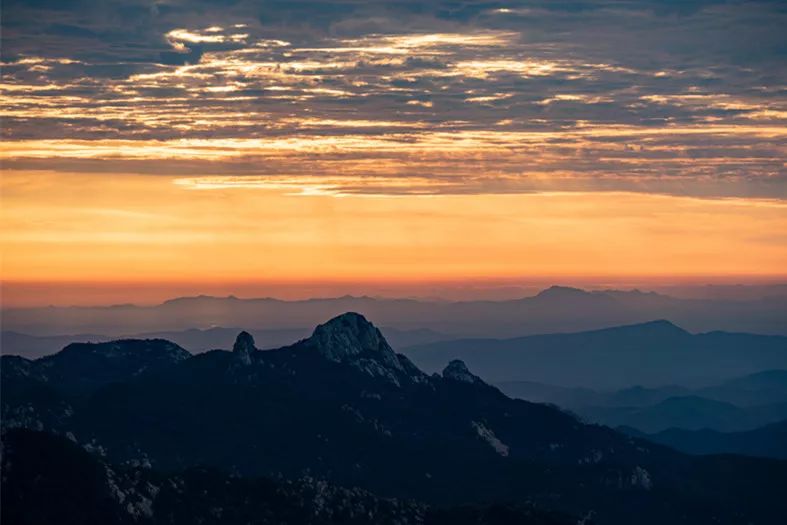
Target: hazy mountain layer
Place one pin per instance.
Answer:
(767, 441)
(557, 309)
(649, 354)
(741, 403)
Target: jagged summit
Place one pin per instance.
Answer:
(244, 346)
(457, 371)
(351, 335)
(350, 338)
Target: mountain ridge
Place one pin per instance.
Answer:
(765, 441)
(296, 409)
(650, 354)
(557, 309)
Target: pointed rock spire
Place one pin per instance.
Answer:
(243, 347)
(457, 371)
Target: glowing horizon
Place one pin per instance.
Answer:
(377, 145)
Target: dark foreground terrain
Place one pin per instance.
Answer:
(336, 428)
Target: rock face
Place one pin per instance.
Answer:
(350, 335)
(244, 347)
(351, 339)
(457, 371)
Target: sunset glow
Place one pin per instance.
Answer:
(253, 149)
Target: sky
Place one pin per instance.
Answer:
(325, 147)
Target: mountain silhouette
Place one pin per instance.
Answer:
(343, 407)
(555, 309)
(768, 441)
(650, 354)
(687, 412)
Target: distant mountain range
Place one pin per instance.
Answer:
(556, 309)
(760, 388)
(767, 441)
(689, 413)
(344, 408)
(650, 354)
(741, 403)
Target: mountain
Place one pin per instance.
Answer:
(32, 347)
(565, 397)
(649, 354)
(556, 309)
(343, 407)
(194, 340)
(50, 480)
(686, 412)
(767, 441)
(769, 386)
(741, 403)
(86, 366)
(760, 388)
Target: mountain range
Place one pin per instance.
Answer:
(768, 441)
(194, 340)
(735, 405)
(556, 309)
(342, 407)
(649, 354)
(688, 413)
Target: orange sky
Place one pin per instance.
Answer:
(130, 228)
(212, 150)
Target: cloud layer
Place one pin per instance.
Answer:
(683, 97)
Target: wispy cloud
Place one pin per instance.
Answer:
(391, 98)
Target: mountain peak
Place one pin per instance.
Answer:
(349, 335)
(244, 346)
(457, 371)
(561, 291)
(349, 338)
(659, 329)
(663, 326)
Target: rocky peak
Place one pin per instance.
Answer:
(457, 371)
(243, 347)
(350, 335)
(349, 338)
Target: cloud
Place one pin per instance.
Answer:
(407, 97)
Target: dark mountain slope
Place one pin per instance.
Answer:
(50, 480)
(343, 406)
(86, 366)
